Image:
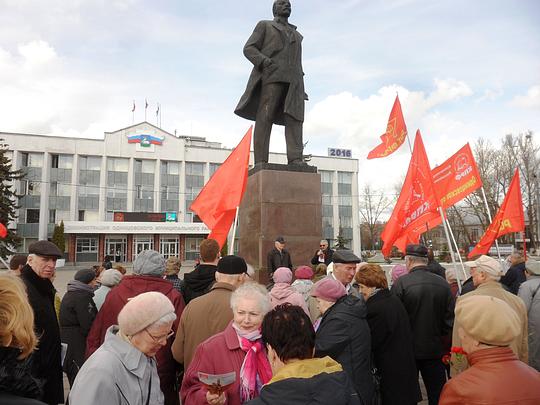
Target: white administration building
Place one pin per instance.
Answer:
(131, 191)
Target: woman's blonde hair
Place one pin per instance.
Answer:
(16, 316)
(172, 266)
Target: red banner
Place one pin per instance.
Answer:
(217, 202)
(417, 204)
(456, 178)
(393, 138)
(509, 218)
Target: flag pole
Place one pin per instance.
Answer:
(450, 248)
(231, 246)
(457, 248)
(490, 220)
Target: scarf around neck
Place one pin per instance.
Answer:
(255, 370)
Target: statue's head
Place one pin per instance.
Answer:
(281, 8)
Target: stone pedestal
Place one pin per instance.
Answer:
(284, 203)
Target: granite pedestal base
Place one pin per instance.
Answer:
(280, 203)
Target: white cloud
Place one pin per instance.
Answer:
(36, 53)
(529, 100)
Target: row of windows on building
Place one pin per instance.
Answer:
(86, 249)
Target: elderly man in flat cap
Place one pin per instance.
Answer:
(486, 273)
(430, 307)
(148, 269)
(37, 275)
(209, 314)
(345, 262)
(487, 326)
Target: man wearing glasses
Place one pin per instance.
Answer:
(323, 255)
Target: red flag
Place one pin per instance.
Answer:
(393, 138)
(457, 177)
(416, 206)
(509, 219)
(216, 203)
(3, 231)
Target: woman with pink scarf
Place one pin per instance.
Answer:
(237, 349)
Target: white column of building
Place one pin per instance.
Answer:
(335, 202)
(357, 236)
(74, 201)
(103, 189)
(131, 178)
(157, 189)
(44, 198)
(182, 192)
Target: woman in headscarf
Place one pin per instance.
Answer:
(282, 291)
(123, 370)
(237, 349)
(391, 338)
(77, 313)
(17, 342)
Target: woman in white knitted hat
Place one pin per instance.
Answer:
(123, 370)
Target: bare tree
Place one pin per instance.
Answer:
(373, 203)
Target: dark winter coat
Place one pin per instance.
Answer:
(514, 277)
(393, 350)
(276, 259)
(467, 286)
(435, 267)
(17, 385)
(328, 256)
(344, 335)
(429, 304)
(308, 382)
(199, 281)
(77, 313)
(46, 362)
(107, 316)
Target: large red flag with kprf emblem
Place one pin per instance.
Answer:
(457, 177)
(216, 203)
(509, 218)
(393, 138)
(416, 206)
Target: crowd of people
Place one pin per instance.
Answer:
(341, 331)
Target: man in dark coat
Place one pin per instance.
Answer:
(515, 274)
(46, 361)
(278, 257)
(323, 255)
(275, 90)
(429, 304)
(200, 280)
(77, 313)
(434, 266)
(148, 270)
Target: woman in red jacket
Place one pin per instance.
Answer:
(237, 349)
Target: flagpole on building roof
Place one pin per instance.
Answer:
(231, 245)
(490, 219)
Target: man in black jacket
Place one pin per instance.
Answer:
(430, 307)
(46, 362)
(203, 277)
(323, 255)
(278, 257)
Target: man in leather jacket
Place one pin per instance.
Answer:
(430, 306)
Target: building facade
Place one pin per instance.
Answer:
(132, 190)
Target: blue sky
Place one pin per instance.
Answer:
(463, 69)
